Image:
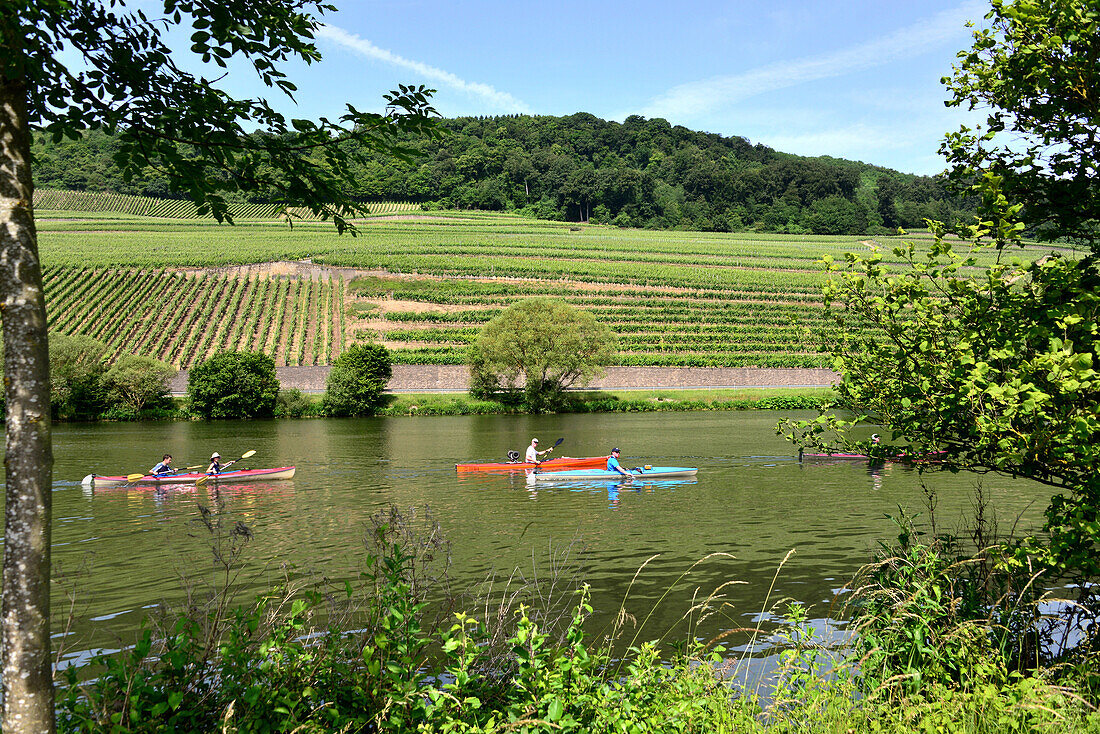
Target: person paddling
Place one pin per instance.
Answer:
(613, 464)
(533, 452)
(163, 467)
(217, 467)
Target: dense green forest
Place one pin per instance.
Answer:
(638, 173)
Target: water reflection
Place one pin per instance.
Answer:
(614, 490)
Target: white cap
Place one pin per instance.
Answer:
(534, 440)
(215, 455)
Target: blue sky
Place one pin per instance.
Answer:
(857, 80)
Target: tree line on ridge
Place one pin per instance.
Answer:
(638, 173)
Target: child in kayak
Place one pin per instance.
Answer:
(164, 467)
(215, 464)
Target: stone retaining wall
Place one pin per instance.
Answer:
(454, 378)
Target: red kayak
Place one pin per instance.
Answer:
(558, 462)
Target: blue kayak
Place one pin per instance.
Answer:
(656, 472)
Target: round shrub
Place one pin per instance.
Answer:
(77, 366)
(233, 385)
(357, 379)
(135, 382)
(293, 403)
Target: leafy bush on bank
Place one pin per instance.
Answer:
(233, 385)
(293, 403)
(85, 384)
(357, 380)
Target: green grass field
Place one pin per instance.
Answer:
(423, 283)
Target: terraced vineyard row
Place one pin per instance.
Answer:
(92, 201)
(183, 318)
(770, 322)
(708, 338)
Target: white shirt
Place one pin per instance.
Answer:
(532, 454)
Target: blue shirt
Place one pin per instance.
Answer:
(161, 468)
(612, 463)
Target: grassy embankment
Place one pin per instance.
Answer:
(602, 401)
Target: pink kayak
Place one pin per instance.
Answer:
(235, 477)
(935, 455)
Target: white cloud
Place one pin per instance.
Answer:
(500, 100)
(841, 142)
(698, 98)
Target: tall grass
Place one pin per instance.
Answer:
(398, 651)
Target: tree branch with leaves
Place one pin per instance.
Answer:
(209, 144)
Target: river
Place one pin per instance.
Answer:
(125, 550)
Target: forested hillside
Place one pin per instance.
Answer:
(639, 173)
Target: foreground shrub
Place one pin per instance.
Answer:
(233, 385)
(930, 614)
(357, 380)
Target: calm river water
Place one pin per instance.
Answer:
(125, 548)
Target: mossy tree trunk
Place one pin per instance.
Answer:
(27, 678)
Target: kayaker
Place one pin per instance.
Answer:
(613, 464)
(533, 452)
(164, 467)
(215, 463)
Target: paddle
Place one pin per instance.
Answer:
(135, 477)
(206, 477)
(556, 444)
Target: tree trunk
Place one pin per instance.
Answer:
(27, 677)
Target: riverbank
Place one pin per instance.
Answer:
(616, 401)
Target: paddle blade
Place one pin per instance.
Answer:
(133, 477)
(201, 480)
(558, 442)
(247, 454)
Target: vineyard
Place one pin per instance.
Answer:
(423, 283)
(183, 318)
(89, 201)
